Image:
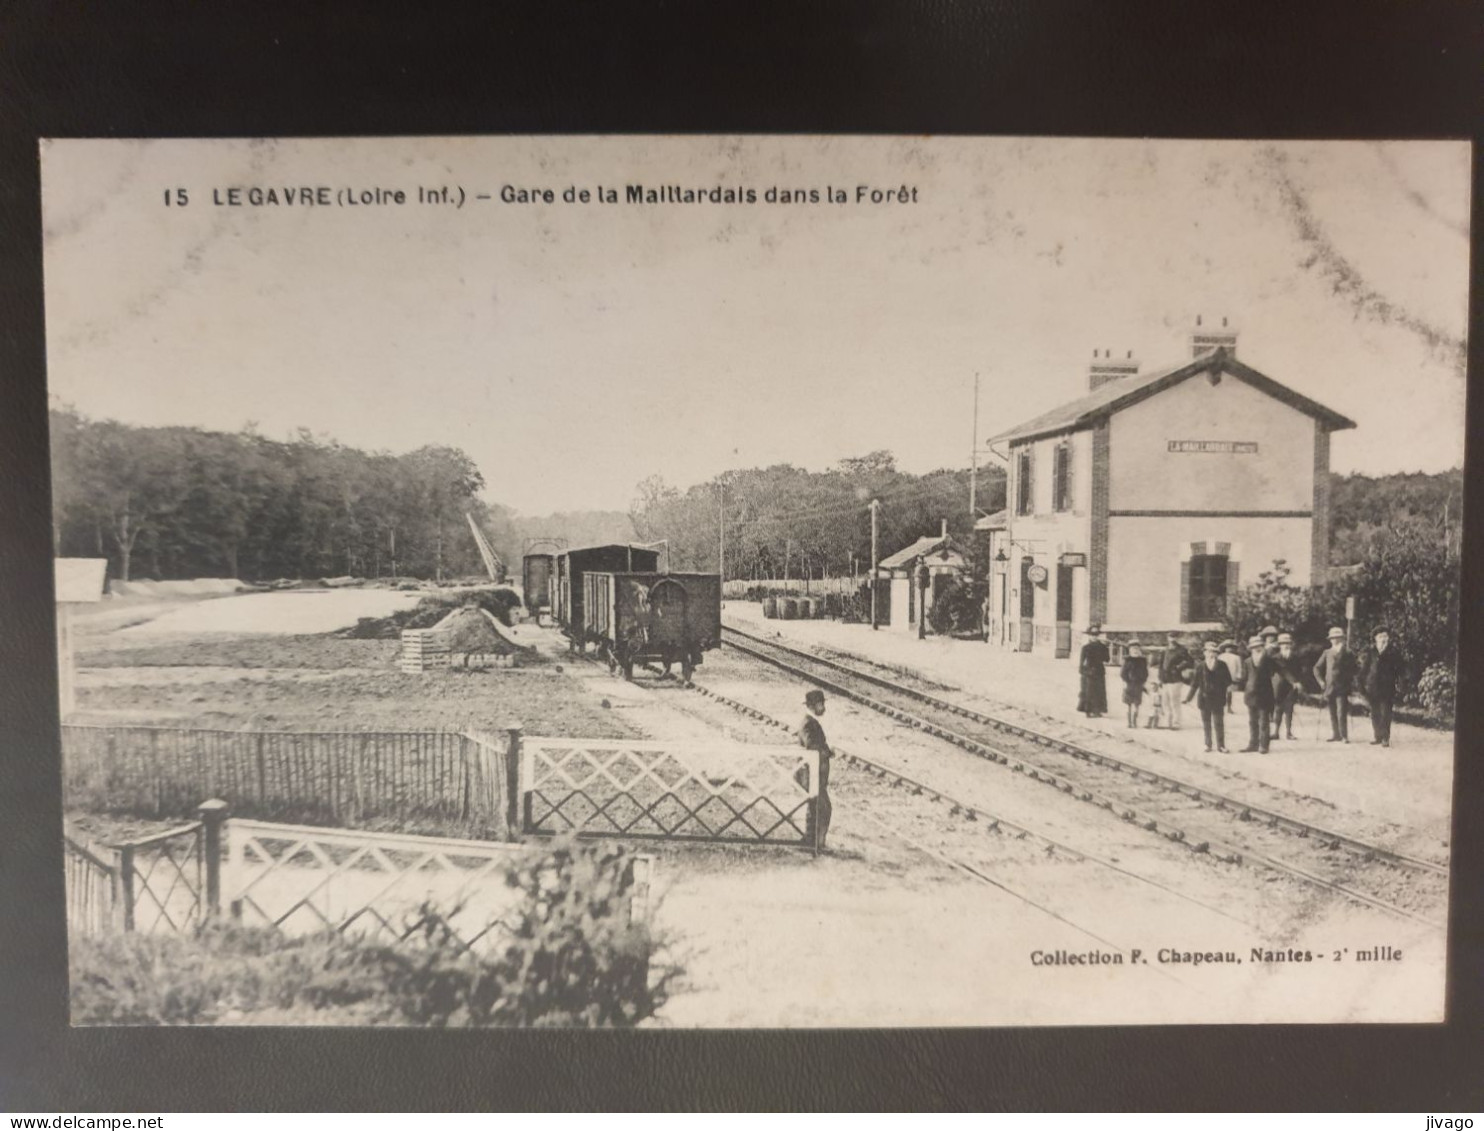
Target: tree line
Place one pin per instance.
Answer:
(783, 522)
(183, 502)
(180, 502)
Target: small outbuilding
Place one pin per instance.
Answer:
(945, 561)
(79, 581)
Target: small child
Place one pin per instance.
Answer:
(1135, 674)
(1156, 706)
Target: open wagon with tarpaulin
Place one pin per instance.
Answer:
(665, 617)
(573, 565)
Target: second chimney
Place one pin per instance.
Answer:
(1105, 367)
(1204, 339)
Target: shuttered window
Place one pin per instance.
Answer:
(1023, 485)
(1061, 477)
(1205, 592)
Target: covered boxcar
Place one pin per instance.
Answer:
(566, 594)
(536, 577)
(668, 617)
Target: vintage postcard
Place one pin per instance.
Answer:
(756, 581)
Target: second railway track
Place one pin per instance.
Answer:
(1200, 818)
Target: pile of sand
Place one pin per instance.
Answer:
(476, 631)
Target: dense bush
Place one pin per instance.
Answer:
(571, 958)
(1308, 613)
(1437, 689)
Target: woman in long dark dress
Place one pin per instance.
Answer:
(1135, 675)
(1093, 702)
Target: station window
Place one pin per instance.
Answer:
(1023, 483)
(1061, 477)
(1207, 600)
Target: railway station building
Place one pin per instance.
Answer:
(1141, 505)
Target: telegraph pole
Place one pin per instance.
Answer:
(721, 530)
(875, 512)
(974, 458)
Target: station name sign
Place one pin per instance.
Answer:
(1236, 447)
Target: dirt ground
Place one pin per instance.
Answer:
(913, 916)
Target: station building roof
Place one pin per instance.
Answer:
(923, 547)
(1119, 394)
(997, 521)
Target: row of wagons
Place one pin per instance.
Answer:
(616, 599)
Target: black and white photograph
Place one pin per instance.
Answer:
(756, 582)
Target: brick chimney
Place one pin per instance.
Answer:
(1105, 367)
(1204, 339)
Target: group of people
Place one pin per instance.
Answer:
(1270, 678)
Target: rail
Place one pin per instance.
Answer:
(1293, 825)
(1152, 823)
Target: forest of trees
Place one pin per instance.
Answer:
(783, 521)
(184, 502)
(1365, 508)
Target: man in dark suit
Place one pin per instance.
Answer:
(1384, 672)
(811, 737)
(1257, 694)
(1209, 683)
(1286, 685)
(1335, 674)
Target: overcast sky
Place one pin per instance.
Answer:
(573, 349)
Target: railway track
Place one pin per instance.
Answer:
(987, 841)
(1177, 810)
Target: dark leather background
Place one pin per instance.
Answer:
(1037, 67)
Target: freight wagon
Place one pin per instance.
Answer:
(566, 591)
(535, 578)
(637, 617)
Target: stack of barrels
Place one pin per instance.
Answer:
(799, 608)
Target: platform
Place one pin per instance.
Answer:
(1411, 783)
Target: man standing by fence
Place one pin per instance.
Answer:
(811, 737)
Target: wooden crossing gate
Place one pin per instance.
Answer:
(605, 787)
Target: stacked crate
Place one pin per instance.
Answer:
(423, 649)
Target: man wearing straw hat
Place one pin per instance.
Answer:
(1209, 684)
(1335, 674)
(1257, 694)
(1285, 687)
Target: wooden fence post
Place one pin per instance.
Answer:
(126, 884)
(213, 816)
(513, 825)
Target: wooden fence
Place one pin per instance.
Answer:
(165, 882)
(442, 779)
(300, 879)
(92, 890)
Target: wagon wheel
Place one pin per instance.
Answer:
(687, 668)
